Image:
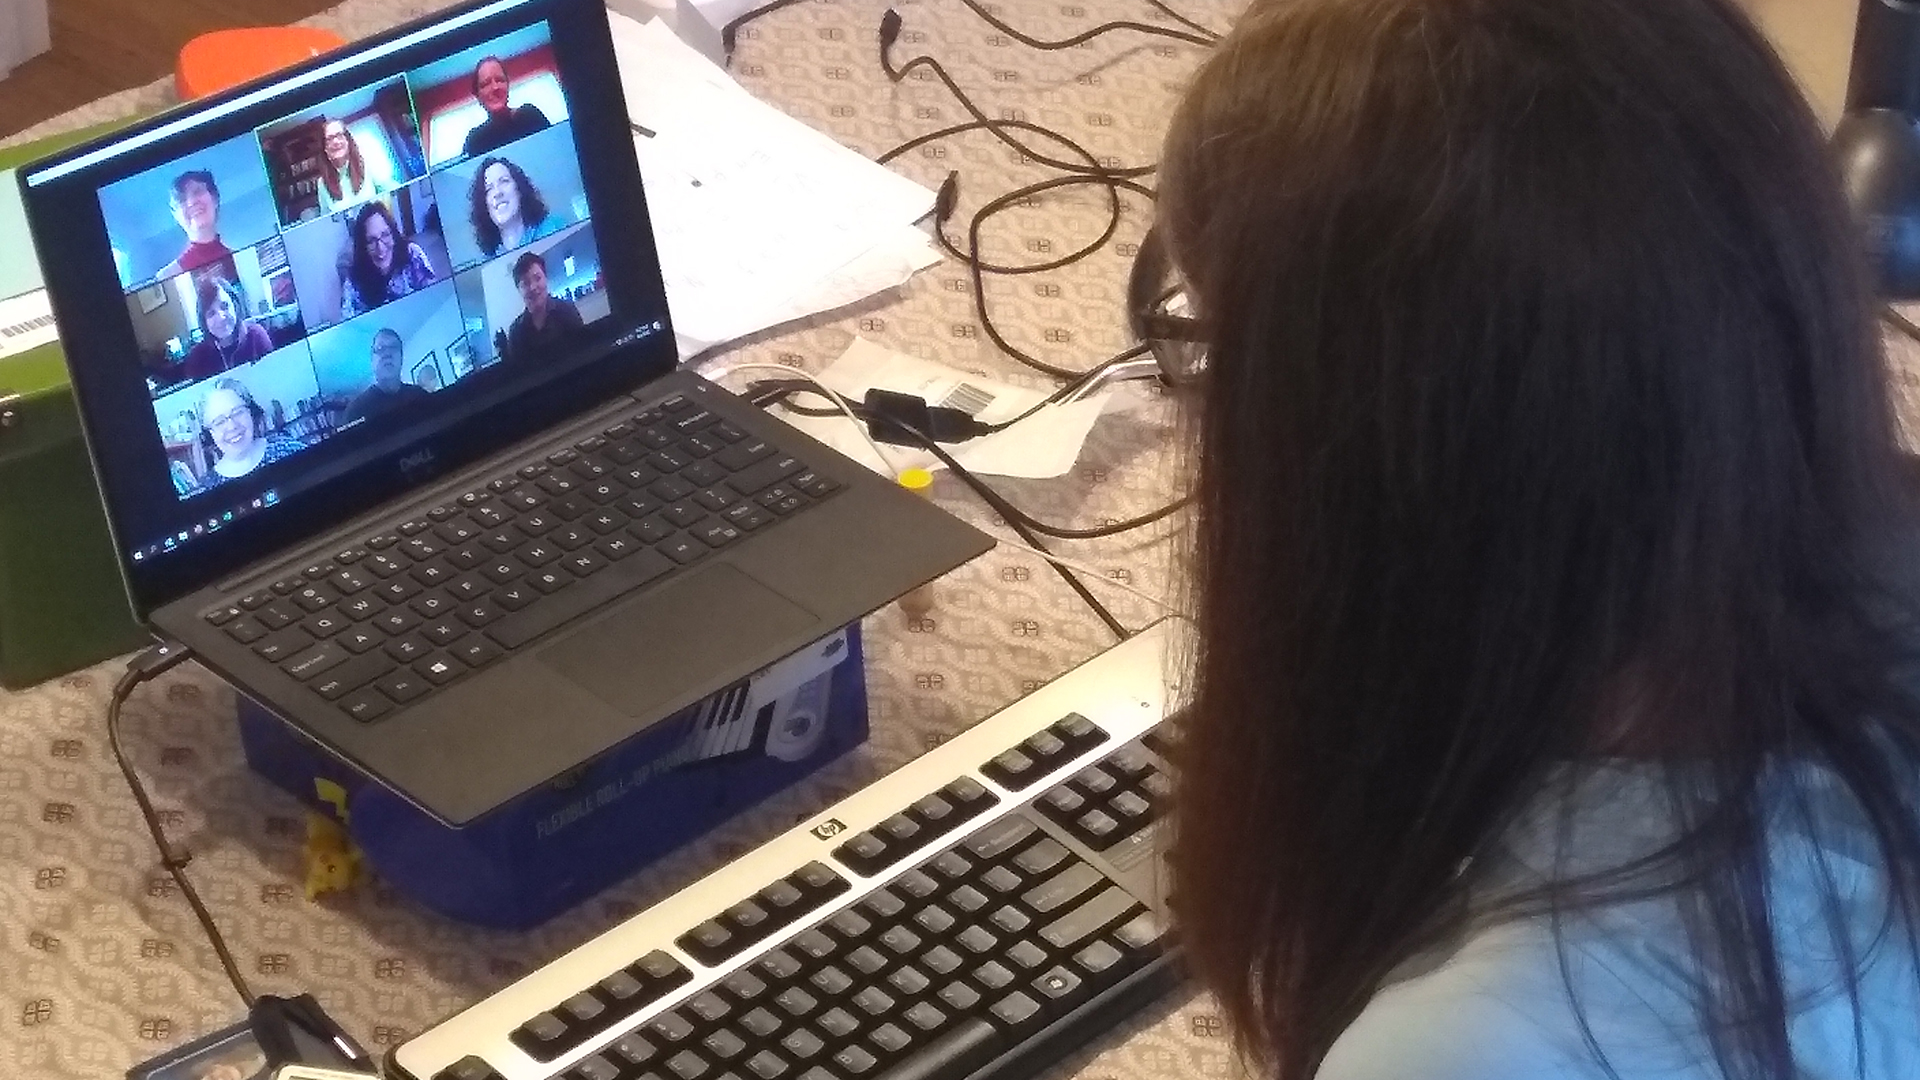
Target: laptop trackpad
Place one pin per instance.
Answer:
(655, 649)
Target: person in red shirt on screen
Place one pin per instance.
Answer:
(196, 208)
(229, 338)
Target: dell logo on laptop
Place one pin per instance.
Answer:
(418, 463)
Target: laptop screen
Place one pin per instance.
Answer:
(287, 304)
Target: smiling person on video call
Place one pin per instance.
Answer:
(504, 123)
(346, 178)
(1552, 702)
(234, 432)
(549, 325)
(229, 338)
(388, 391)
(195, 200)
(505, 209)
(379, 272)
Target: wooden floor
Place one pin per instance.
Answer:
(100, 46)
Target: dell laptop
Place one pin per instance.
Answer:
(374, 363)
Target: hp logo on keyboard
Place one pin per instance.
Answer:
(829, 828)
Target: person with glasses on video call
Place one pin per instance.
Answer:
(347, 179)
(389, 390)
(384, 264)
(1553, 704)
(234, 435)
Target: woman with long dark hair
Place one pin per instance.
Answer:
(1553, 576)
(505, 209)
(379, 270)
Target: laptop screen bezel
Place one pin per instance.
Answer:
(63, 212)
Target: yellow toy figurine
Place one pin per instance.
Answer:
(333, 862)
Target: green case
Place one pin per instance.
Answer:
(63, 604)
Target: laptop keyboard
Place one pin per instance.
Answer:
(399, 615)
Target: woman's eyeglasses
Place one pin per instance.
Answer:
(230, 418)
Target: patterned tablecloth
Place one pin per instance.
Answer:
(101, 963)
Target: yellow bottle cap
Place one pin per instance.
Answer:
(915, 479)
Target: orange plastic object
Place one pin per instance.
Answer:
(212, 62)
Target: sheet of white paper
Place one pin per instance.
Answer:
(19, 271)
(26, 322)
(759, 219)
(1043, 445)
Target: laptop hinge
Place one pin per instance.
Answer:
(9, 415)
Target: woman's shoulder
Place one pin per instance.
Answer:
(1478, 1011)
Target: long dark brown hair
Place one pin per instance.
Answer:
(533, 208)
(1546, 422)
(369, 280)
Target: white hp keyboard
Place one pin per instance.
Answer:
(979, 912)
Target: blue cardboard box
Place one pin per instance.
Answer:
(553, 847)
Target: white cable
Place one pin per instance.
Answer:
(893, 471)
(1093, 571)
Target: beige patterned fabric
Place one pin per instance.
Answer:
(101, 962)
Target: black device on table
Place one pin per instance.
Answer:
(400, 448)
(978, 913)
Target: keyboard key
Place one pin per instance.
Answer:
(316, 661)
(1062, 888)
(502, 571)
(814, 485)
(362, 607)
(716, 498)
(747, 516)
(1057, 983)
(352, 675)
(432, 605)
(1089, 918)
(476, 651)
(1012, 769)
(683, 549)
(399, 590)
(514, 597)
(765, 473)
(278, 615)
(403, 686)
(246, 631)
(479, 614)
(350, 581)
(408, 649)
(282, 644)
(359, 639)
(440, 668)
(396, 621)
(744, 453)
(1015, 1009)
(1000, 837)
(366, 705)
(444, 631)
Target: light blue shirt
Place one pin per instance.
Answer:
(1496, 1007)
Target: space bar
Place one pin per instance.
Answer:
(556, 610)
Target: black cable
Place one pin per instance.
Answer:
(890, 32)
(978, 276)
(1085, 36)
(765, 394)
(145, 666)
(732, 28)
(1198, 28)
(1901, 323)
(778, 390)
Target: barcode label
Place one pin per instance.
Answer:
(26, 322)
(968, 398)
(26, 327)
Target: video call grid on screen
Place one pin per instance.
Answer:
(349, 260)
